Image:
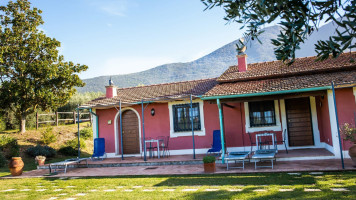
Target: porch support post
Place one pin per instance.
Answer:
(121, 140)
(78, 132)
(221, 119)
(337, 125)
(143, 132)
(192, 123)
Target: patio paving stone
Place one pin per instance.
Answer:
(235, 190)
(210, 190)
(190, 190)
(41, 190)
(296, 174)
(137, 186)
(260, 190)
(128, 190)
(63, 194)
(25, 190)
(57, 190)
(339, 189)
(168, 190)
(311, 190)
(286, 190)
(9, 190)
(316, 173)
(148, 190)
(93, 190)
(81, 194)
(53, 198)
(109, 190)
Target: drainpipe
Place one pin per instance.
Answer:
(192, 123)
(221, 119)
(97, 122)
(337, 125)
(121, 140)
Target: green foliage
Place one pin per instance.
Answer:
(33, 75)
(3, 160)
(349, 132)
(79, 99)
(86, 133)
(74, 143)
(208, 159)
(68, 151)
(9, 146)
(47, 136)
(41, 151)
(298, 20)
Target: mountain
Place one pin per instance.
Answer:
(209, 66)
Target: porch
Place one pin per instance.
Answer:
(297, 160)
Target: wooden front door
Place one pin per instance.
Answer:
(300, 132)
(130, 133)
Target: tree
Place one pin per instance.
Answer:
(32, 73)
(298, 19)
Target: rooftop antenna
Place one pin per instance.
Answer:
(243, 49)
(111, 82)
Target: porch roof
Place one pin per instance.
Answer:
(155, 93)
(310, 76)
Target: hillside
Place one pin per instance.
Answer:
(209, 66)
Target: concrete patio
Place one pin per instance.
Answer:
(295, 161)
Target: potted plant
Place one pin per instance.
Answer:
(349, 133)
(40, 160)
(209, 164)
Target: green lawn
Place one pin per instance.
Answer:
(242, 186)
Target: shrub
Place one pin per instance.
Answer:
(48, 136)
(74, 143)
(86, 133)
(41, 151)
(3, 160)
(9, 146)
(208, 159)
(68, 151)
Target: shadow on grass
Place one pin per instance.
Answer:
(245, 179)
(251, 195)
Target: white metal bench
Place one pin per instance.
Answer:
(263, 155)
(65, 163)
(240, 156)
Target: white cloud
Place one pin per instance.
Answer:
(112, 7)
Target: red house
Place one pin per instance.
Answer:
(247, 98)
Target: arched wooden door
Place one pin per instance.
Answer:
(130, 133)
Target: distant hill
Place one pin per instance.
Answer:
(209, 66)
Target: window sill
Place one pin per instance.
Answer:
(264, 128)
(188, 133)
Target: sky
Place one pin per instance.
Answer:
(124, 36)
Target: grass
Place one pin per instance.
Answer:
(242, 186)
(32, 137)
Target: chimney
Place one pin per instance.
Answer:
(111, 89)
(241, 62)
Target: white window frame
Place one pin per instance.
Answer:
(186, 133)
(276, 127)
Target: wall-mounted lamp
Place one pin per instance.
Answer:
(153, 111)
(109, 121)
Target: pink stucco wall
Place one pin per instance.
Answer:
(322, 108)
(346, 109)
(234, 121)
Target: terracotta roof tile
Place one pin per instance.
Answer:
(287, 83)
(156, 92)
(274, 69)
